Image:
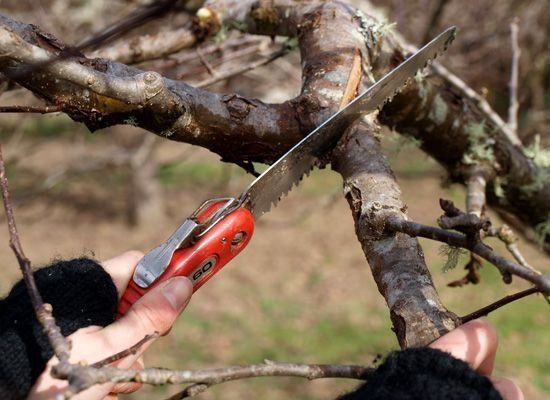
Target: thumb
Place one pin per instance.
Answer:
(154, 312)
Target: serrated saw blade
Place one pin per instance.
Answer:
(266, 190)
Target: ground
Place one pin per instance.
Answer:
(302, 290)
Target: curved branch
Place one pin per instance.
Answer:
(102, 93)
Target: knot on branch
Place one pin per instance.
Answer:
(454, 218)
(373, 218)
(151, 84)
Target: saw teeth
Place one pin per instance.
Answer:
(305, 162)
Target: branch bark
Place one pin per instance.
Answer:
(396, 260)
(85, 376)
(454, 132)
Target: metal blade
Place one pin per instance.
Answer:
(288, 170)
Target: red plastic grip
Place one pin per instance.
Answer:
(204, 259)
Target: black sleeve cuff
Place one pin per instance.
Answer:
(81, 293)
(424, 374)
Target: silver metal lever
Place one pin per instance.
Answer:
(155, 262)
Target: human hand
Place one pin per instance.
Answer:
(154, 312)
(476, 343)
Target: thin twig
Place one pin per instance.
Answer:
(225, 58)
(507, 236)
(514, 106)
(241, 70)
(188, 56)
(31, 109)
(88, 376)
(43, 311)
(125, 353)
(457, 239)
(497, 304)
(475, 206)
(205, 62)
(475, 197)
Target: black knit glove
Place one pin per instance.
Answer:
(424, 374)
(81, 293)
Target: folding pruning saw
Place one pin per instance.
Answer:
(221, 228)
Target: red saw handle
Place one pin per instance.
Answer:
(204, 259)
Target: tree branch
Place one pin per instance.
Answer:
(514, 106)
(60, 345)
(397, 262)
(88, 376)
(498, 304)
(125, 353)
(245, 68)
(457, 239)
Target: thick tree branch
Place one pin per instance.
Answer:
(396, 260)
(103, 93)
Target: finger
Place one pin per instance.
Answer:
(121, 268)
(474, 342)
(156, 311)
(507, 388)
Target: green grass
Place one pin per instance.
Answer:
(523, 344)
(189, 173)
